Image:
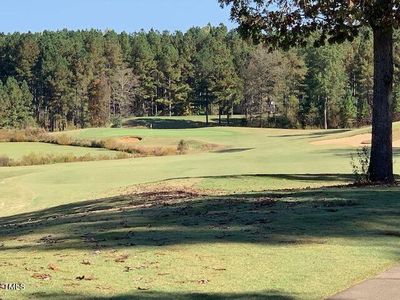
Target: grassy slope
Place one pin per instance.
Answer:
(250, 152)
(307, 245)
(18, 150)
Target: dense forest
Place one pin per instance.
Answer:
(76, 79)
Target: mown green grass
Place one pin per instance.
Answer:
(18, 150)
(249, 243)
(281, 245)
(247, 152)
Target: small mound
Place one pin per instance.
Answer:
(359, 140)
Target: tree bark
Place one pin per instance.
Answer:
(381, 162)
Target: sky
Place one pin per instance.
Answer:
(120, 15)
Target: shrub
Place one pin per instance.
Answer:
(5, 161)
(360, 165)
(116, 122)
(112, 144)
(33, 159)
(122, 155)
(183, 147)
(63, 139)
(97, 144)
(26, 135)
(18, 136)
(37, 159)
(35, 134)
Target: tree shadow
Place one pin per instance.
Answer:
(233, 150)
(323, 178)
(347, 152)
(235, 121)
(164, 123)
(318, 134)
(181, 123)
(149, 295)
(182, 217)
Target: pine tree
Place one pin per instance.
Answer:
(15, 102)
(363, 77)
(145, 68)
(99, 102)
(326, 82)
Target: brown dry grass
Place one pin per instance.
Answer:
(34, 159)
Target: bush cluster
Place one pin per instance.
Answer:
(22, 135)
(33, 159)
(141, 151)
(115, 144)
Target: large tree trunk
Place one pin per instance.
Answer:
(381, 164)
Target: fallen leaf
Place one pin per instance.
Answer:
(53, 267)
(85, 277)
(203, 281)
(121, 258)
(127, 269)
(41, 276)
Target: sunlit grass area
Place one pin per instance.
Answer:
(251, 219)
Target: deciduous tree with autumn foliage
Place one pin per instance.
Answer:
(287, 23)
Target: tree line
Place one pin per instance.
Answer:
(64, 79)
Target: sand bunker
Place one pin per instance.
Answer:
(352, 141)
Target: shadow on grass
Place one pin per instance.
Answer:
(147, 295)
(235, 121)
(343, 178)
(161, 218)
(233, 150)
(180, 123)
(347, 152)
(160, 123)
(318, 134)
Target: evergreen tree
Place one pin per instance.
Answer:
(99, 102)
(145, 68)
(15, 103)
